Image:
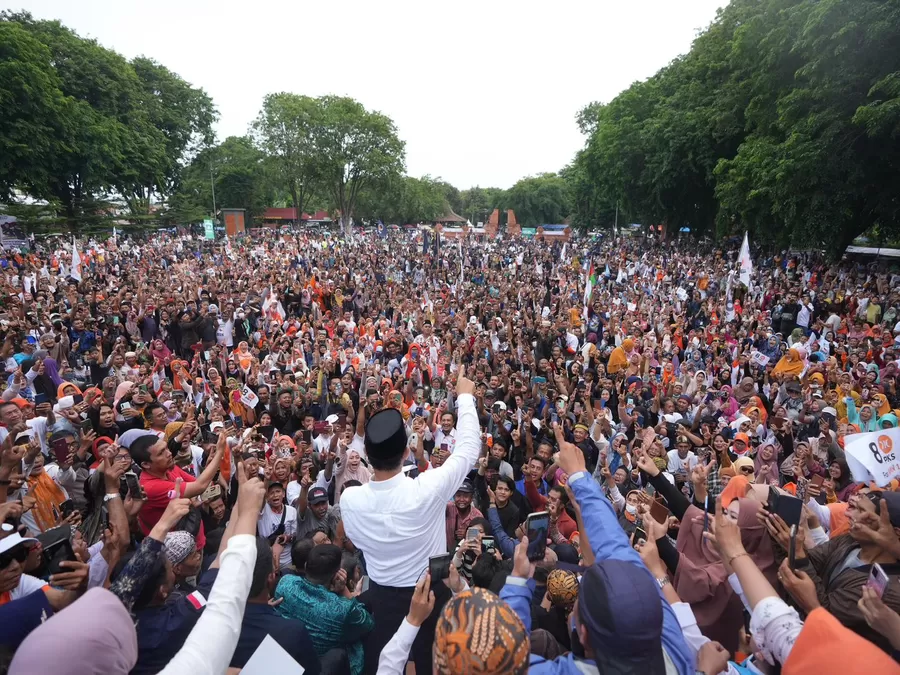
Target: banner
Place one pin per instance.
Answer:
(248, 398)
(759, 359)
(874, 456)
(209, 232)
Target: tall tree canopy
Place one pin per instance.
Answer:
(84, 124)
(539, 200)
(784, 119)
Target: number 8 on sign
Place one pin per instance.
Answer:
(883, 446)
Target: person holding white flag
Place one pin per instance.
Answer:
(745, 262)
(76, 262)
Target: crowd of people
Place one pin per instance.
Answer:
(607, 455)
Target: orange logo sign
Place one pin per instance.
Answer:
(885, 444)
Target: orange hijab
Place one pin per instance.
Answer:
(827, 647)
(618, 360)
(789, 364)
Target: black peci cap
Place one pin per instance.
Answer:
(386, 435)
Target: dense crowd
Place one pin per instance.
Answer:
(598, 456)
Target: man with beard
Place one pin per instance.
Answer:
(460, 513)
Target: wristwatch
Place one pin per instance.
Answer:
(662, 582)
(110, 496)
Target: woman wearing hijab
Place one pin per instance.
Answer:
(108, 648)
(42, 384)
(618, 359)
(842, 486)
(765, 464)
(791, 364)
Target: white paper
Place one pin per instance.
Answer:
(270, 657)
(874, 456)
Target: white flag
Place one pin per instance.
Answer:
(76, 262)
(745, 263)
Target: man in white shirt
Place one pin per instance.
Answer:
(398, 523)
(277, 519)
(681, 459)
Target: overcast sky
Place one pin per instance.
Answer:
(483, 92)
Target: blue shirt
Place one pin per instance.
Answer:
(332, 620)
(608, 541)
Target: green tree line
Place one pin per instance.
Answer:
(783, 119)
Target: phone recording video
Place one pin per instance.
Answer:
(537, 525)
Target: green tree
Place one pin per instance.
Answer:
(404, 199)
(540, 200)
(477, 202)
(284, 130)
(242, 181)
(32, 105)
(184, 115)
(354, 148)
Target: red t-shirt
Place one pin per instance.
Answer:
(158, 490)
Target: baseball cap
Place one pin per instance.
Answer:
(331, 419)
(466, 487)
(13, 540)
(317, 495)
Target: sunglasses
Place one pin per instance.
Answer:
(746, 469)
(18, 553)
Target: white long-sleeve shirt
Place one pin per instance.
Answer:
(210, 646)
(399, 523)
(396, 652)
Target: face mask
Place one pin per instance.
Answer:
(631, 508)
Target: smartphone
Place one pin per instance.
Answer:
(537, 525)
(878, 580)
(639, 535)
(40, 398)
(792, 548)
(77, 398)
(125, 405)
(472, 533)
(143, 389)
(206, 356)
(817, 480)
(56, 553)
(706, 513)
(104, 520)
(488, 545)
(790, 509)
(439, 567)
(134, 485)
(228, 424)
(211, 493)
(659, 512)
(86, 426)
(60, 449)
(66, 508)
(307, 436)
(342, 420)
(238, 423)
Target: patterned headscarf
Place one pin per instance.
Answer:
(479, 633)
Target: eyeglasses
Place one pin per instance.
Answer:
(17, 553)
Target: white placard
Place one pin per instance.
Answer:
(874, 456)
(759, 359)
(248, 398)
(270, 657)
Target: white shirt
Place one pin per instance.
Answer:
(37, 428)
(399, 523)
(293, 488)
(440, 438)
(677, 464)
(269, 521)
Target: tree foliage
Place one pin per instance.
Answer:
(539, 200)
(242, 177)
(354, 149)
(403, 200)
(84, 124)
(784, 119)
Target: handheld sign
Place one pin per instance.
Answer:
(874, 456)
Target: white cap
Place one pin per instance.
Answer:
(13, 540)
(331, 419)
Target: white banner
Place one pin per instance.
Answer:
(874, 456)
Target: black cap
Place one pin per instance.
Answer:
(317, 495)
(466, 487)
(386, 435)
